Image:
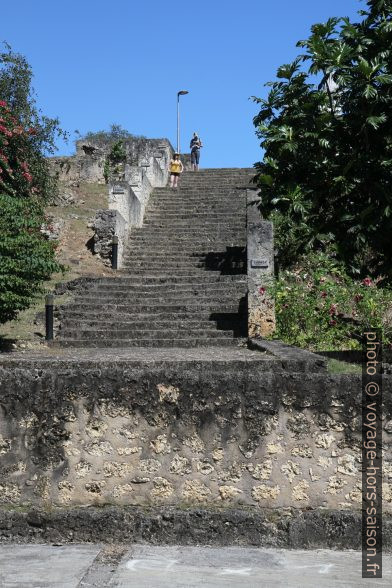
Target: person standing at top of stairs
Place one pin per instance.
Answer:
(176, 168)
(195, 147)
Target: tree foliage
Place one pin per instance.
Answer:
(26, 257)
(115, 134)
(326, 128)
(16, 90)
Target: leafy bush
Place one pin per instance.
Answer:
(26, 257)
(326, 176)
(114, 160)
(115, 134)
(17, 92)
(320, 307)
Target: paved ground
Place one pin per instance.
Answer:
(95, 566)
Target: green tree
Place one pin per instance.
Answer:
(326, 176)
(115, 134)
(26, 257)
(17, 91)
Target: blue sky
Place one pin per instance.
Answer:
(97, 63)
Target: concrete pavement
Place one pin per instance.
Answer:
(142, 566)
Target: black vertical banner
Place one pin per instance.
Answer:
(372, 455)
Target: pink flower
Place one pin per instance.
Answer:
(2, 103)
(332, 323)
(5, 131)
(367, 282)
(27, 176)
(324, 294)
(333, 309)
(261, 291)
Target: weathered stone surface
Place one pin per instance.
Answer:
(260, 251)
(89, 430)
(198, 526)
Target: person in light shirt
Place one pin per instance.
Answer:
(195, 147)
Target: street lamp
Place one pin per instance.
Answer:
(180, 93)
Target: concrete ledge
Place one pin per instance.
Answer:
(285, 528)
(291, 357)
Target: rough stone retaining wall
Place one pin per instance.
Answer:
(188, 435)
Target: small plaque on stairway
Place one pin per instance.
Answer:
(259, 263)
(118, 190)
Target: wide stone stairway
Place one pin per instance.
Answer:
(183, 281)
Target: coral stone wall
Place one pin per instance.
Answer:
(181, 434)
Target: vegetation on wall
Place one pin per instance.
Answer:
(114, 135)
(114, 161)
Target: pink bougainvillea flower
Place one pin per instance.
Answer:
(367, 282)
(28, 176)
(5, 131)
(262, 291)
(324, 294)
(2, 103)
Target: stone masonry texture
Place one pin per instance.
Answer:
(237, 436)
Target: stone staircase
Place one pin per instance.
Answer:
(183, 281)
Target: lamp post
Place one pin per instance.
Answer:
(180, 93)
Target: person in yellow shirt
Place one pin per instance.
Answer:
(176, 168)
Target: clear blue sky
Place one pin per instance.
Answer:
(122, 61)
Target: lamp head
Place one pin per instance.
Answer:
(182, 92)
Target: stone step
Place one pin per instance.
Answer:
(93, 334)
(152, 302)
(171, 343)
(155, 309)
(178, 255)
(168, 288)
(167, 292)
(200, 200)
(122, 278)
(139, 323)
(156, 299)
(174, 248)
(170, 267)
(150, 261)
(192, 240)
(69, 313)
(207, 231)
(191, 220)
(190, 291)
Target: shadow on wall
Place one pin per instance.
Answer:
(229, 262)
